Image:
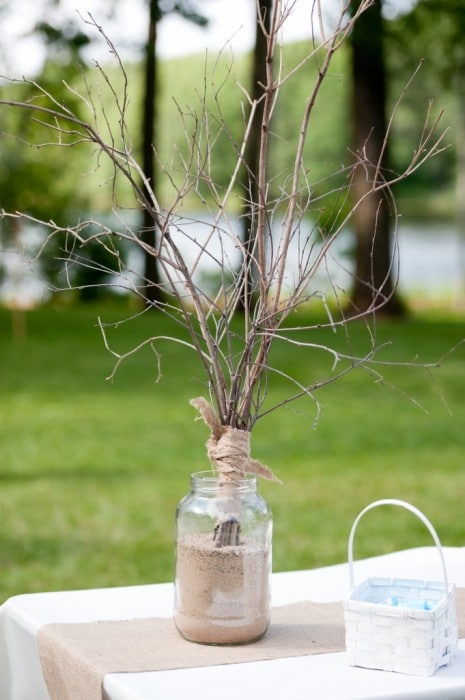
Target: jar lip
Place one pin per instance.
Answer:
(210, 479)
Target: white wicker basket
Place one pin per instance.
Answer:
(401, 625)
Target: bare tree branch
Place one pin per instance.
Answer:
(233, 354)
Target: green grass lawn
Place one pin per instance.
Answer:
(91, 470)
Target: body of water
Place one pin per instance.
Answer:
(431, 260)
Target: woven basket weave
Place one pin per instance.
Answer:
(401, 625)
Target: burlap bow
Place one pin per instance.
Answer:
(229, 448)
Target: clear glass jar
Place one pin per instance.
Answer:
(223, 561)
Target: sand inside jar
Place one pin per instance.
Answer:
(222, 593)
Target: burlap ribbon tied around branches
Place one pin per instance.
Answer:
(229, 448)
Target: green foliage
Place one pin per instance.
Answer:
(39, 169)
(428, 40)
(94, 270)
(326, 150)
(24, 172)
(188, 85)
(432, 31)
(57, 182)
(91, 471)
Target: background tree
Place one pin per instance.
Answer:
(250, 186)
(436, 31)
(374, 281)
(65, 44)
(157, 9)
(25, 173)
(153, 291)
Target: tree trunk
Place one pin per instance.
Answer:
(374, 284)
(252, 154)
(152, 292)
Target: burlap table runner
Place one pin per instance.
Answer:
(76, 656)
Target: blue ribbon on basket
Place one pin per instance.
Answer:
(411, 603)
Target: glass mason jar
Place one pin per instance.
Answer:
(223, 561)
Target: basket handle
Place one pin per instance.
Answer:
(407, 506)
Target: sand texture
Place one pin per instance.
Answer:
(222, 594)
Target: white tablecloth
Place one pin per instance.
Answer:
(321, 677)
